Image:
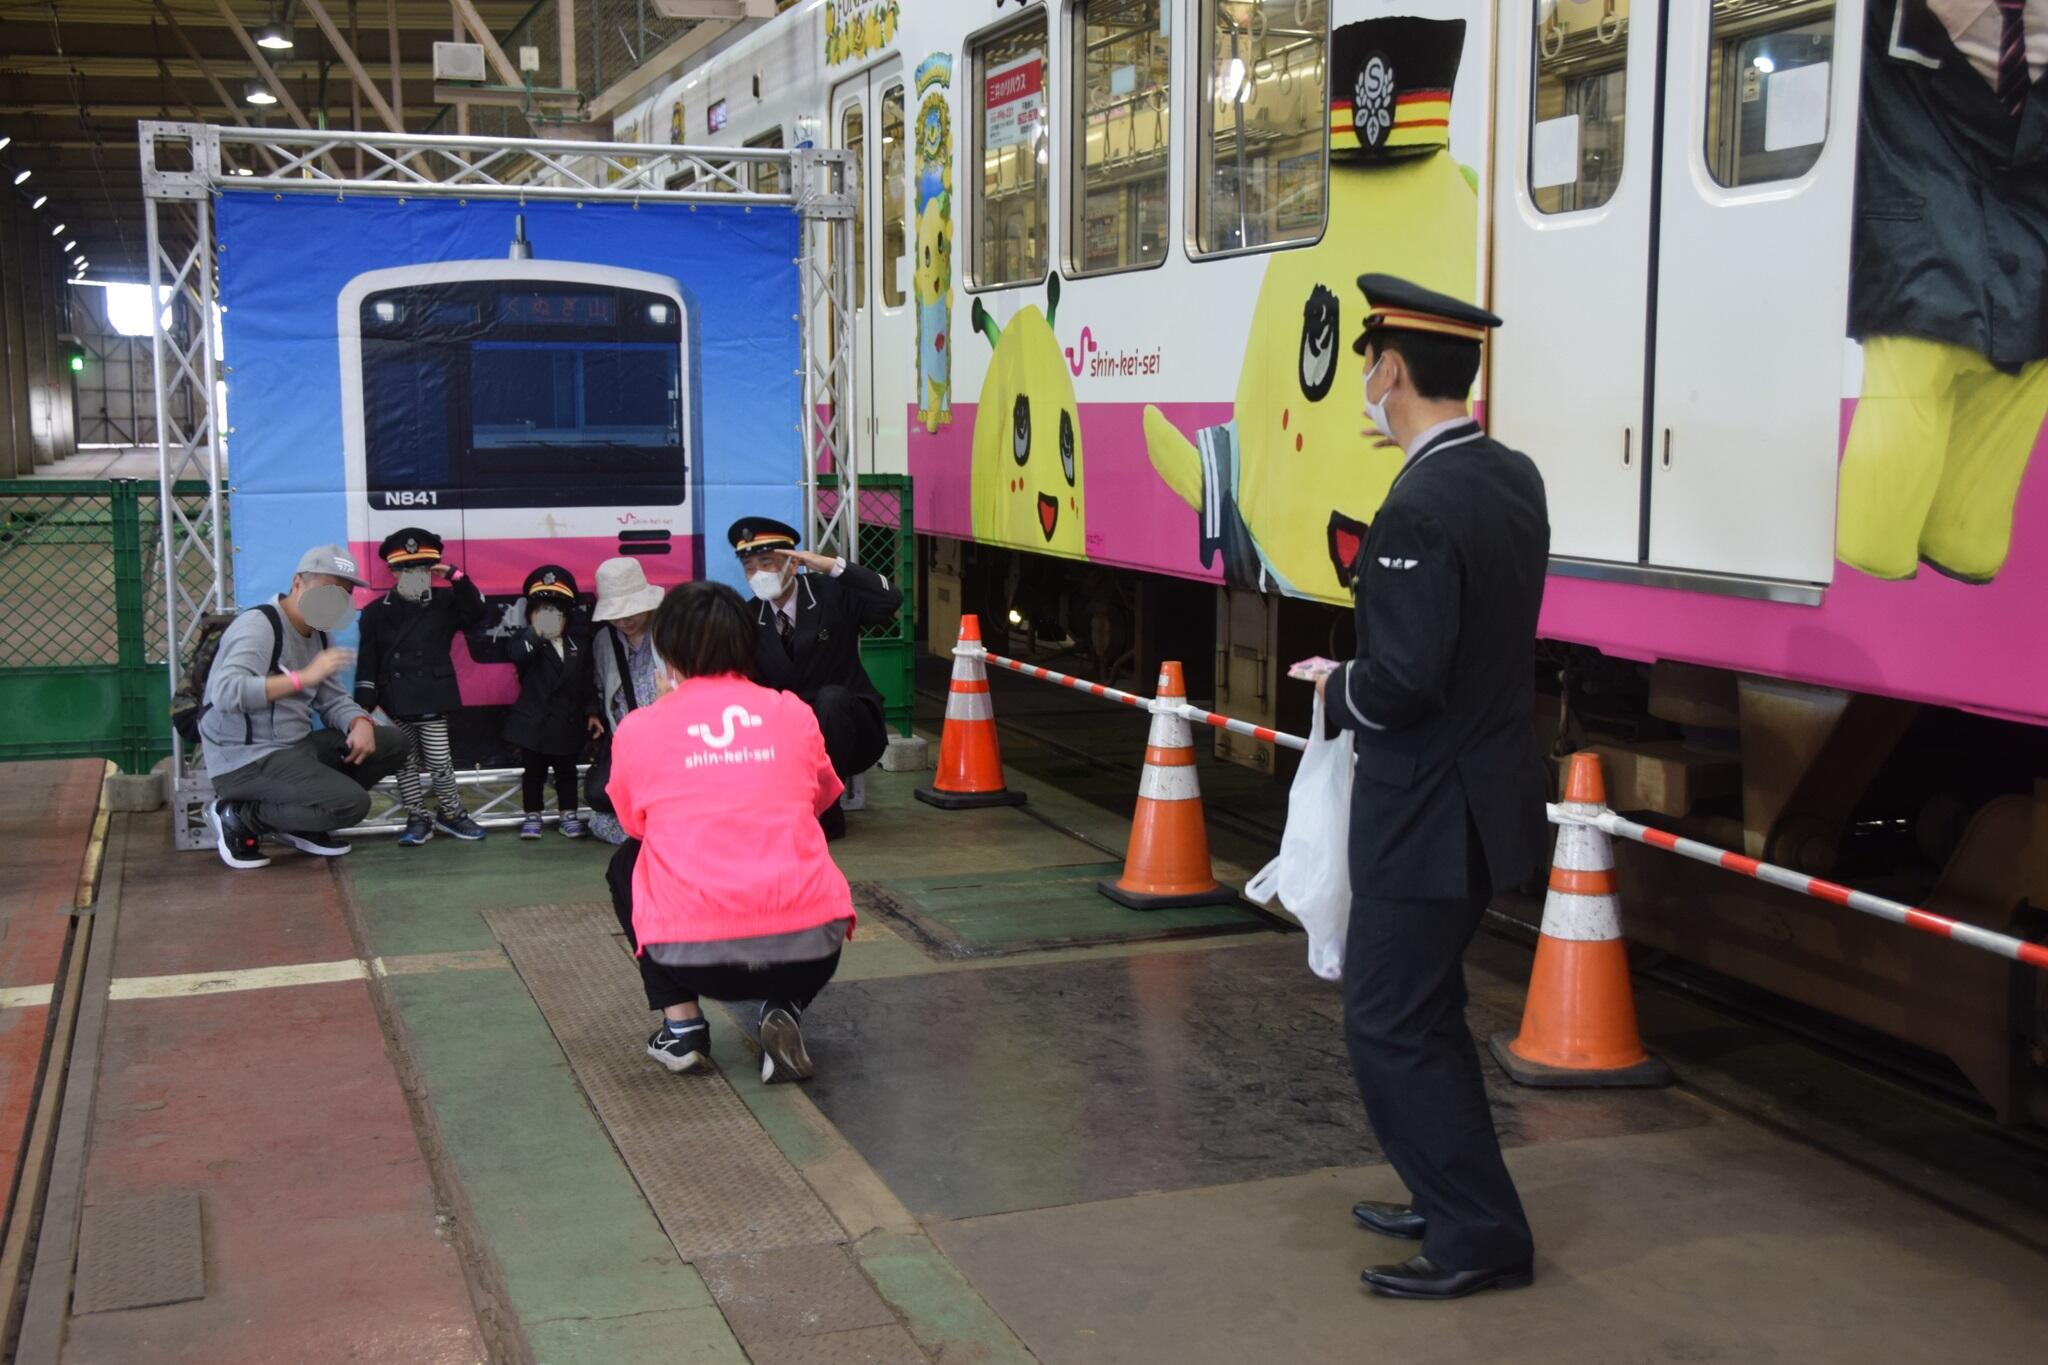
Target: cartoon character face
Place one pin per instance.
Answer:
(934, 251)
(1311, 471)
(1027, 438)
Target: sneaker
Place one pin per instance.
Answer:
(689, 1050)
(572, 828)
(530, 827)
(236, 835)
(782, 1045)
(459, 825)
(319, 845)
(418, 829)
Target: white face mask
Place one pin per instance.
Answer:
(767, 584)
(1376, 413)
(327, 606)
(415, 584)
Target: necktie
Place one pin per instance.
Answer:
(2014, 78)
(786, 626)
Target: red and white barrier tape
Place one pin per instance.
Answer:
(1926, 921)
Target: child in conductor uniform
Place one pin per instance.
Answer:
(552, 720)
(404, 667)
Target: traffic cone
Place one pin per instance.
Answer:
(1579, 1025)
(1168, 861)
(970, 765)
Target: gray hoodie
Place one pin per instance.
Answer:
(240, 725)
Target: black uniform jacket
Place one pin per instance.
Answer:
(830, 613)
(1951, 240)
(555, 701)
(1442, 694)
(402, 659)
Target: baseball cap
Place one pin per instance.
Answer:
(334, 561)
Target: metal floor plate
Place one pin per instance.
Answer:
(714, 1177)
(138, 1253)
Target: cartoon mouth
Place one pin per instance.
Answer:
(1347, 537)
(1048, 514)
(939, 342)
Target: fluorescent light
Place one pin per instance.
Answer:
(68, 245)
(258, 93)
(20, 176)
(41, 200)
(1763, 64)
(5, 142)
(57, 231)
(243, 170)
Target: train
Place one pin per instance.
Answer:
(1772, 274)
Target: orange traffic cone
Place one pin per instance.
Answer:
(970, 765)
(1579, 1025)
(1168, 861)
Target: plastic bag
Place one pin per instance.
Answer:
(1312, 875)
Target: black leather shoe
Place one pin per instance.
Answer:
(1420, 1278)
(1389, 1220)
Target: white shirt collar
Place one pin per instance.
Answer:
(1423, 441)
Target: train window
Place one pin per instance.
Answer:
(1121, 125)
(890, 190)
(1768, 73)
(1011, 242)
(765, 177)
(1262, 173)
(1581, 95)
(853, 136)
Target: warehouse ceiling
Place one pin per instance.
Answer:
(76, 75)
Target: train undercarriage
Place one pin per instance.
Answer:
(1923, 804)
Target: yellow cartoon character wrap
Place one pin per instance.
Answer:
(934, 306)
(1027, 438)
(1285, 490)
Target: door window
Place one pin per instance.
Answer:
(1262, 136)
(1579, 103)
(1012, 234)
(1118, 151)
(1768, 71)
(853, 137)
(890, 188)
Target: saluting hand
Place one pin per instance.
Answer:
(816, 563)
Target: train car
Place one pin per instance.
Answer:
(1773, 278)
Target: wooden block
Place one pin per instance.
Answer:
(1666, 776)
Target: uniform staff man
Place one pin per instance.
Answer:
(1447, 799)
(810, 628)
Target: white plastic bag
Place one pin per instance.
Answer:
(1312, 875)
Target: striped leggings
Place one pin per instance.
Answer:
(430, 751)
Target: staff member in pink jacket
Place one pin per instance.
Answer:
(725, 887)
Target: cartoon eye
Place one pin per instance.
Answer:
(1067, 446)
(1020, 429)
(1318, 344)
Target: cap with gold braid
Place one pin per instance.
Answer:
(752, 535)
(1393, 304)
(1390, 87)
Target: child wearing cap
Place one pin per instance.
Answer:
(552, 718)
(404, 666)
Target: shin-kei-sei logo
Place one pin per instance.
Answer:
(735, 719)
(1086, 357)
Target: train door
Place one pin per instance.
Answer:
(870, 117)
(1753, 285)
(1572, 260)
(1671, 235)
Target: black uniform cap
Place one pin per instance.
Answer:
(1395, 305)
(409, 547)
(551, 583)
(1390, 86)
(752, 535)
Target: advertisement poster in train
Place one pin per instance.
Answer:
(547, 383)
(1215, 408)
(934, 263)
(855, 29)
(1948, 291)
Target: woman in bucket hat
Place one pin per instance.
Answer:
(622, 660)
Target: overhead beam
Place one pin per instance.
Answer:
(392, 45)
(355, 68)
(220, 91)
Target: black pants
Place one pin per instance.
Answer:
(533, 782)
(855, 733)
(796, 983)
(310, 787)
(1412, 1053)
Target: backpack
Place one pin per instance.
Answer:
(189, 702)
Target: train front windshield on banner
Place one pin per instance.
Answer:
(489, 396)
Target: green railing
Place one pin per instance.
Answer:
(82, 670)
(888, 545)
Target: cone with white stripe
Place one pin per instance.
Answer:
(1579, 1025)
(970, 772)
(1168, 860)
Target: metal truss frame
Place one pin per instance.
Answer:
(184, 165)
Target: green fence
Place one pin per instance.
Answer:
(888, 545)
(82, 619)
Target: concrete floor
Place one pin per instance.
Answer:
(1124, 1152)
